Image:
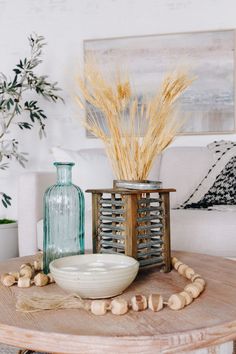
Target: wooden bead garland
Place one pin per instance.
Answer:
(32, 274)
(191, 291)
(155, 301)
(28, 275)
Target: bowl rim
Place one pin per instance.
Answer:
(131, 263)
(87, 278)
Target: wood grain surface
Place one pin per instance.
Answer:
(210, 320)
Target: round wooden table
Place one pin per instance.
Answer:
(209, 320)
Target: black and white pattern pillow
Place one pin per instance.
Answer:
(219, 185)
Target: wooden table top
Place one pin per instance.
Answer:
(209, 320)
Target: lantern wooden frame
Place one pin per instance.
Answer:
(133, 222)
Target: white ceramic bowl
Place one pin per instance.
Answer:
(95, 276)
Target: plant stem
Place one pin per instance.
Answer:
(17, 100)
(11, 117)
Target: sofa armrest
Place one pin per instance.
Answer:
(31, 188)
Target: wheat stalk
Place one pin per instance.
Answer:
(135, 132)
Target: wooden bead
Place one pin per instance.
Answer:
(25, 265)
(174, 260)
(195, 276)
(119, 306)
(155, 302)
(177, 264)
(189, 273)
(193, 290)
(98, 307)
(138, 303)
(16, 275)
(176, 302)
(8, 280)
(3, 276)
(200, 281)
(41, 279)
(188, 297)
(199, 286)
(24, 282)
(38, 266)
(26, 271)
(182, 268)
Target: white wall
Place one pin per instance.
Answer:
(65, 24)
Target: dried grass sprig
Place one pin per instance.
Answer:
(134, 132)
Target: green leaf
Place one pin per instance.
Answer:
(24, 125)
(17, 71)
(6, 200)
(4, 203)
(43, 115)
(32, 117)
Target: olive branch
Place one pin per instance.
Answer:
(13, 102)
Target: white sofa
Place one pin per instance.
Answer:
(212, 232)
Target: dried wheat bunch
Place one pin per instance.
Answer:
(134, 132)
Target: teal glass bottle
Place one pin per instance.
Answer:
(63, 217)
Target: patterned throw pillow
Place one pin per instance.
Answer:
(219, 185)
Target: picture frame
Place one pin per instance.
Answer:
(209, 104)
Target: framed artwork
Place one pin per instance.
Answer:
(208, 104)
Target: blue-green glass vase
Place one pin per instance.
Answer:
(63, 217)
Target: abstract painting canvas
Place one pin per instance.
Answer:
(208, 104)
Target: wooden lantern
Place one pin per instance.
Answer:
(133, 222)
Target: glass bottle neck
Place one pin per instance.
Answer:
(64, 173)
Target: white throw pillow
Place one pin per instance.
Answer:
(92, 169)
(183, 168)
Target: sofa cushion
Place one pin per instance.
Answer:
(204, 231)
(183, 168)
